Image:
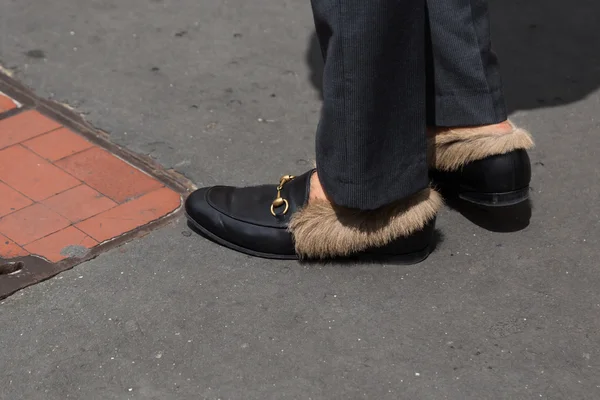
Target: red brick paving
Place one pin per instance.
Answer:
(32, 223)
(23, 126)
(116, 179)
(60, 191)
(11, 200)
(6, 103)
(79, 203)
(57, 144)
(53, 246)
(130, 215)
(31, 175)
(10, 249)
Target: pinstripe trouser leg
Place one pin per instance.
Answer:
(371, 145)
(464, 84)
(378, 55)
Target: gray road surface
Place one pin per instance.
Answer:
(223, 91)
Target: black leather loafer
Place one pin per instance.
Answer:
(495, 181)
(276, 221)
(482, 168)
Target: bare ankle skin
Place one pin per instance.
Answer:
(316, 190)
(501, 128)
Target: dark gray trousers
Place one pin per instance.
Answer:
(392, 66)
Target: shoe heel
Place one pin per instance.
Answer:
(495, 181)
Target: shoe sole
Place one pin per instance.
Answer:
(498, 199)
(503, 199)
(211, 236)
(396, 259)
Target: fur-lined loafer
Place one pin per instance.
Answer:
(277, 221)
(484, 168)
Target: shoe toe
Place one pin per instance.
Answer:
(202, 212)
(197, 207)
(218, 214)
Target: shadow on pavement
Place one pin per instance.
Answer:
(548, 51)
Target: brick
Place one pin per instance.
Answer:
(58, 144)
(56, 247)
(79, 203)
(109, 175)
(11, 200)
(31, 175)
(24, 126)
(31, 223)
(128, 216)
(6, 103)
(9, 249)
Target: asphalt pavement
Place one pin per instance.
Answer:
(226, 91)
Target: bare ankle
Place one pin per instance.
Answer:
(501, 128)
(316, 189)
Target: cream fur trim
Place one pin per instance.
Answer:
(451, 150)
(321, 230)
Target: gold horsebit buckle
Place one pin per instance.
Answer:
(280, 201)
